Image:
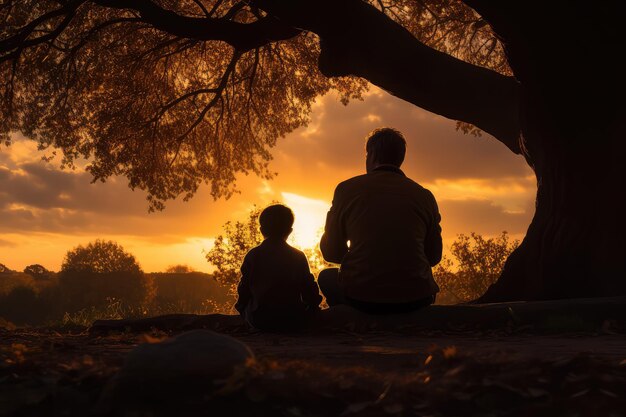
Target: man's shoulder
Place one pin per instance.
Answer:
(352, 181)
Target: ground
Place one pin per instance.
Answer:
(509, 371)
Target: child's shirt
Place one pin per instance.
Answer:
(276, 280)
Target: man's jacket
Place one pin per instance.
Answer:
(392, 226)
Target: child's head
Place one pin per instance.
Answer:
(276, 221)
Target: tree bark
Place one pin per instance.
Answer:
(573, 128)
(564, 100)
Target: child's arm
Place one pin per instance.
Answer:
(243, 289)
(310, 291)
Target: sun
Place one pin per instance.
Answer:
(310, 215)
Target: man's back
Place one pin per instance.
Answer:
(392, 224)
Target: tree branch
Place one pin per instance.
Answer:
(242, 36)
(357, 39)
(21, 40)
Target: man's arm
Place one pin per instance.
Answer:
(243, 289)
(334, 243)
(433, 245)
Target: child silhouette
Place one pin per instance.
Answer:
(277, 290)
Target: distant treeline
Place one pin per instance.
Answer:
(101, 280)
(25, 300)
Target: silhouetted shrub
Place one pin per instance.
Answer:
(100, 256)
(93, 275)
(12, 279)
(230, 248)
(479, 263)
(21, 306)
(37, 271)
(179, 269)
(86, 289)
(193, 292)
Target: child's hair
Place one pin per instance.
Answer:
(276, 221)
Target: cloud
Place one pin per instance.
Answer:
(481, 216)
(479, 184)
(332, 147)
(7, 243)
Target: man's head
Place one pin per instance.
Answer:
(385, 146)
(276, 221)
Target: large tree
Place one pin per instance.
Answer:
(171, 93)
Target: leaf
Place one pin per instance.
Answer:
(449, 352)
(147, 338)
(454, 371)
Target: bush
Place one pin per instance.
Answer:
(230, 248)
(193, 292)
(21, 306)
(37, 271)
(101, 257)
(93, 275)
(12, 279)
(479, 263)
(179, 269)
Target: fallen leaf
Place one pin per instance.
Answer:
(449, 352)
(146, 338)
(454, 371)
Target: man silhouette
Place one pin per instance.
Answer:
(383, 228)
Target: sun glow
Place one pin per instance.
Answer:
(310, 216)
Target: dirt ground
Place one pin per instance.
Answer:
(51, 372)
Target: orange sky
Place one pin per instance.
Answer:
(479, 184)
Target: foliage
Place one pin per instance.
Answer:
(101, 257)
(451, 27)
(179, 269)
(37, 271)
(231, 247)
(479, 262)
(12, 279)
(166, 98)
(102, 270)
(20, 305)
(84, 289)
(4, 269)
(193, 292)
(167, 110)
(316, 259)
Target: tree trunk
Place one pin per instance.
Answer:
(566, 57)
(573, 126)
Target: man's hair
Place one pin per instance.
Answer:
(276, 221)
(386, 145)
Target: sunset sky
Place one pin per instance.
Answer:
(479, 184)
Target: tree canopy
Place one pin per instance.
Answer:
(37, 271)
(173, 93)
(100, 256)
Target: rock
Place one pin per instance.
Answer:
(190, 365)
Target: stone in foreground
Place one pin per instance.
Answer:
(193, 365)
